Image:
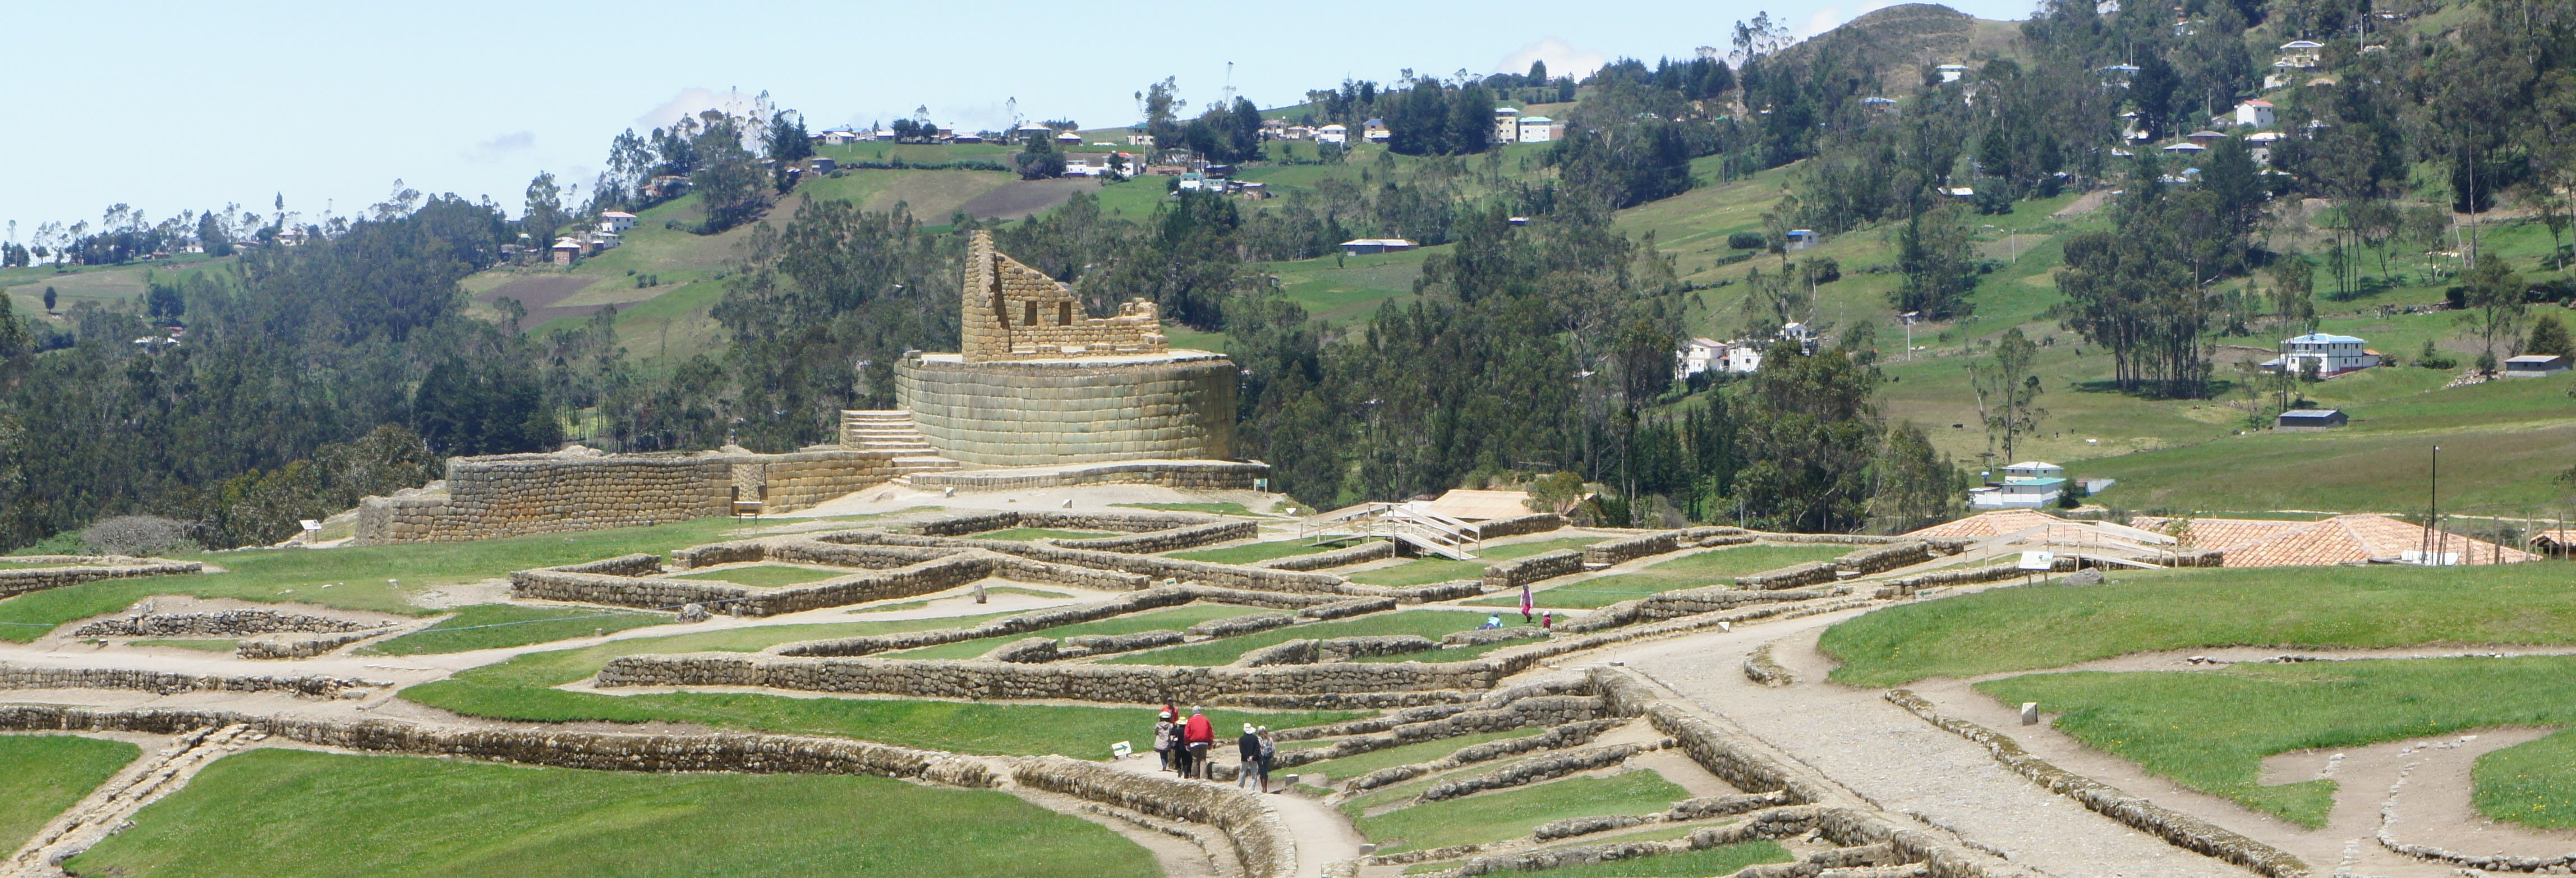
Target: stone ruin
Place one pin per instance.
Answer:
(1035, 384)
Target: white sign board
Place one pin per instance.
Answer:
(1121, 750)
(2038, 561)
(311, 526)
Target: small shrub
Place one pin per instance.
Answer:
(1745, 240)
(136, 535)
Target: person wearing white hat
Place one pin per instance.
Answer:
(1250, 747)
(1163, 739)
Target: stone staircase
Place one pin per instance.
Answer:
(893, 430)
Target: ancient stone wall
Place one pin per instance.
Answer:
(1219, 575)
(1418, 594)
(1535, 522)
(85, 569)
(1177, 406)
(227, 623)
(1315, 686)
(1877, 559)
(1364, 552)
(1611, 552)
(1260, 840)
(1522, 571)
(1211, 475)
(1792, 576)
(957, 568)
(273, 648)
(166, 683)
(577, 490)
(1121, 522)
(1012, 311)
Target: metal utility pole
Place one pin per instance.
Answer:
(2426, 547)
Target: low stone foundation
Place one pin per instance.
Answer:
(582, 489)
(227, 623)
(1360, 554)
(167, 683)
(88, 568)
(1522, 571)
(940, 572)
(1314, 686)
(1206, 475)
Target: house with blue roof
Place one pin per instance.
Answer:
(2328, 354)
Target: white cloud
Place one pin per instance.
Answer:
(497, 148)
(1562, 59)
(692, 101)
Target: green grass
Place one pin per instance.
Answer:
(295, 813)
(1349, 767)
(2211, 730)
(1223, 651)
(41, 775)
(208, 645)
(766, 575)
(2533, 784)
(1693, 571)
(1513, 813)
(1041, 533)
(521, 689)
(1721, 860)
(359, 576)
(1175, 619)
(492, 626)
(1424, 571)
(1226, 508)
(1250, 552)
(2028, 628)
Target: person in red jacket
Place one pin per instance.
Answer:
(1197, 735)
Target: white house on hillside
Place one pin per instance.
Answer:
(2255, 114)
(1540, 129)
(2034, 469)
(1336, 133)
(2331, 354)
(1507, 125)
(1698, 355)
(616, 220)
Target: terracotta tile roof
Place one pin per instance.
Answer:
(1988, 524)
(2343, 539)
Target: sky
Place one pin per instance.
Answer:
(171, 107)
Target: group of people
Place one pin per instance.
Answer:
(1185, 745)
(1545, 619)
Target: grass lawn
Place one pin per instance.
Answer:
(289, 813)
(1226, 508)
(2533, 784)
(209, 645)
(521, 688)
(2211, 730)
(1174, 618)
(766, 575)
(362, 578)
(1224, 650)
(40, 775)
(1424, 571)
(1040, 533)
(2028, 628)
(1348, 767)
(1512, 813)
(1693, 571)
(1721, 860)
(1248, 553)
(491, 626)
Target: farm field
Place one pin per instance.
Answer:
(292, 813)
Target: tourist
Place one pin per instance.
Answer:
(1198, 737)
(1492, 621)
(1163, 739)
(1547, 620)
(1269, 757)
(1249, 748)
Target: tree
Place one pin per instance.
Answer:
(1039, 159)
(1915, 486)
(1939, 262)
(727, 177)
(212, 236)
(544, 211)
(49, 300)
(467, 409)
(2292, 275)
(2493, 294)
(1810, 434)
(2007, 391)
(2549, 338)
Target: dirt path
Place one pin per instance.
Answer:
(1323, 836)
(1901, 763)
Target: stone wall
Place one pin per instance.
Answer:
(1311, 686)
(1536, 522)
(937, 574)
(1260, 840)
(1522, 571)
(1211, 475)
(604, 751)
(1176, 539)
(1219, 575)
(165, 683)
(1876, 559)
(1365, 552)
(1009, 310)
(85, 568)
(1610, 552)
(271, 648)
(1792, 576)
(1335, 649)
(1418, 594)
(583, 489)
(1121, 522)
(227, 623)
(1032, 413)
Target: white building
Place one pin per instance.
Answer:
(1698, 355)
(1336, 133)
(2331, 354)
(1540, 129)
(1507, 125)
(2034, 469)
(1952, 72)
(617, 220)
(1375, 131)
(2255, 114)
(1366, 246)
(1743, 359)
(2017, 494)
